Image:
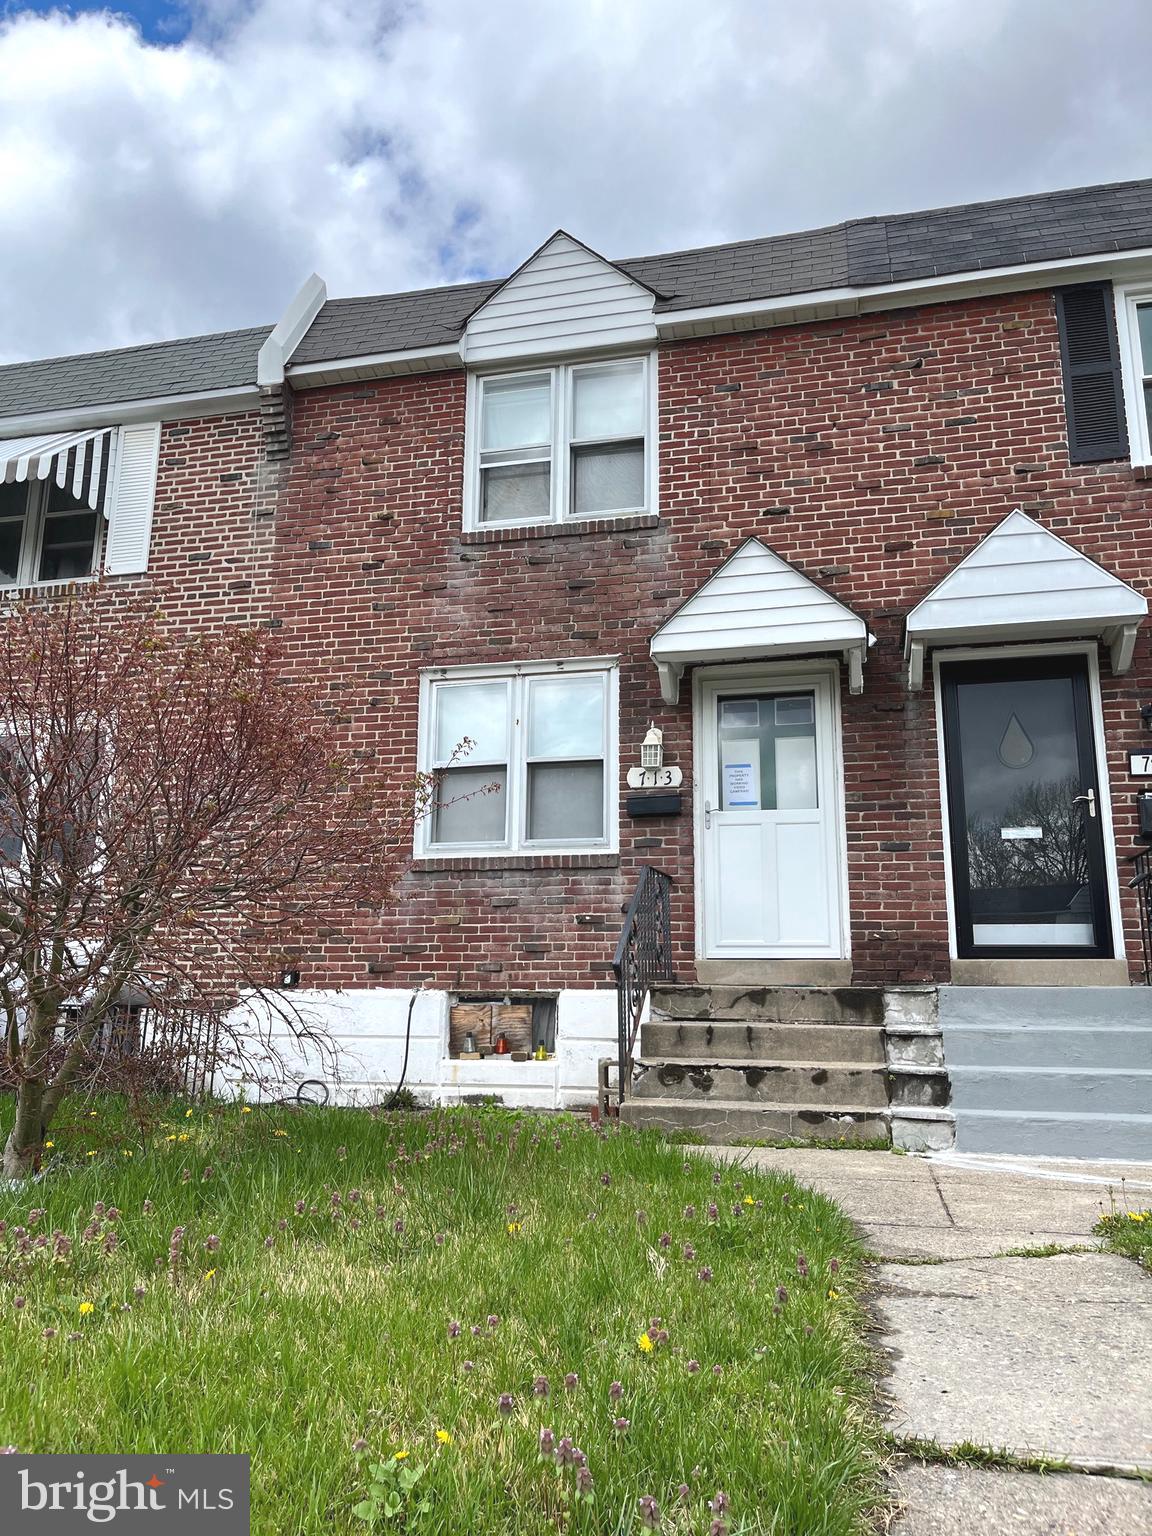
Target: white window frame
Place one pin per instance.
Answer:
(517, 677)
(1127, 301)
(32, 539)
(560, 376)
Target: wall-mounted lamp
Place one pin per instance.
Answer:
(289, 979)
(652, 748)
(1146, 716)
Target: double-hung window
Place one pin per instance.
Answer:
(562, 444)
(46, 534)
(1135, 313)
(524, 758)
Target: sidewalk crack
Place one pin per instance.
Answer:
(940, 1192)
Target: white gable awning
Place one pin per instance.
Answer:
(1023, 582)
(755, 606)
(78, 460)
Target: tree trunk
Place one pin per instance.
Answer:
(22, 1149)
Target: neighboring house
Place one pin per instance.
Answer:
(857, 518)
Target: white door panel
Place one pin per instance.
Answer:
(768, 811)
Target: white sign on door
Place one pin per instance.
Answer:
(741, 786)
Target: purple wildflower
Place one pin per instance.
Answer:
(606, 1179)
(717, 1370)
(547, 1443)
(565, 1452)
(689, 1212)
(665, 1240)
(540, 1387)
(649, 1513)
(211, 1243)
(506, 1403)
(469, 1365)
(453, 1330)
(683, 1493)
(493, 1320)
(49, 1333)
(833, 1266)
(713, 1212)
(476, 1330)
(621, 1426)
(704, 1273)
(782, 1294)
(719, 1502)
(615, 1392)
(689, 1252)
(19, 1302)
(439, 1239)
(641, 1218)
(583, 1483)
(571, 1381)
(802, 1266)
(692, 1367)
(360, 1444)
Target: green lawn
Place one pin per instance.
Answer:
(367, 1303)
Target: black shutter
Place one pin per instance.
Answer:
(1093, 390)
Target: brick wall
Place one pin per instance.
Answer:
(871, 453)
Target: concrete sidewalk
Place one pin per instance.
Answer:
(1049, 1358)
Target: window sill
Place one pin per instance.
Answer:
(570, 530)
(496, 861)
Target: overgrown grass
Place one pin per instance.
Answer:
(289, 1284)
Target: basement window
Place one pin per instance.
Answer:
(526, 1021)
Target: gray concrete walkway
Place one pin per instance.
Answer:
(1048, 1358)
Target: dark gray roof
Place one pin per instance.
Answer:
(188, 366)
(1049, 226)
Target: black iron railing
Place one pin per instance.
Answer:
(1141, 883)
(643, 956)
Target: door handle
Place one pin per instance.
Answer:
(707, 815)
(1088, 798)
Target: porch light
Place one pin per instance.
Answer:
(652, 748)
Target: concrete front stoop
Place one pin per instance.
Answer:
(738, 1062)
(1050, 1071)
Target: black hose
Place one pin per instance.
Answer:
(407, 1045)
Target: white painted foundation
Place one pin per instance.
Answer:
(360, 1050)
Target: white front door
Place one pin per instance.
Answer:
(769, 817)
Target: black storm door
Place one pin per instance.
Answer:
(1024, 810)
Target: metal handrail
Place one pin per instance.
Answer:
(643, 956)
(1141, 883)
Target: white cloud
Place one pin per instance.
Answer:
(157, 190)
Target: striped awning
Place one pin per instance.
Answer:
(76, 460)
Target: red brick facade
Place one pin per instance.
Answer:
(873, 454)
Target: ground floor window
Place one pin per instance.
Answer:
(523, 757)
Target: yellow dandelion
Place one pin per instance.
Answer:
(400, 1456)
(91, 1154)
(126, 1151)
(748, 1200)
(170, 1138)
(285, 1133)
(514, 1227)
(188, 1113)
(247, 1110)
(183, 1136)
(645, 1344)
(444, 1437)
(48, 1145)
(208, 1273)
(86, 1307)
(833, 1295)
(92, 1114)
(1137, 1215)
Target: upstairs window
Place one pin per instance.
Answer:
(561, 444)
(523, 759)
(46, 534)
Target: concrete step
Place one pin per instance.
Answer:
(814, 1085)
(771, 1005)
(1069, 1046)
(1119, 1138)
(721, 1120)
(1044, 1007)
(1113, 1091)
(731, 1040)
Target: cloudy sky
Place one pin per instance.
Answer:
(170, 168)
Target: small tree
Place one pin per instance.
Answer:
(176, 817)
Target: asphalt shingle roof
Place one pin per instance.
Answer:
(1049, 226)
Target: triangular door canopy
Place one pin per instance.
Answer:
(1023, 582)
(755, 606)
(565, 298)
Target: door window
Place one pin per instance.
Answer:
(768, 752)
(1024, 811)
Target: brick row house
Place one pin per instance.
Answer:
(844, 534)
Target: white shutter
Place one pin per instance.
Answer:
(131, 494)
